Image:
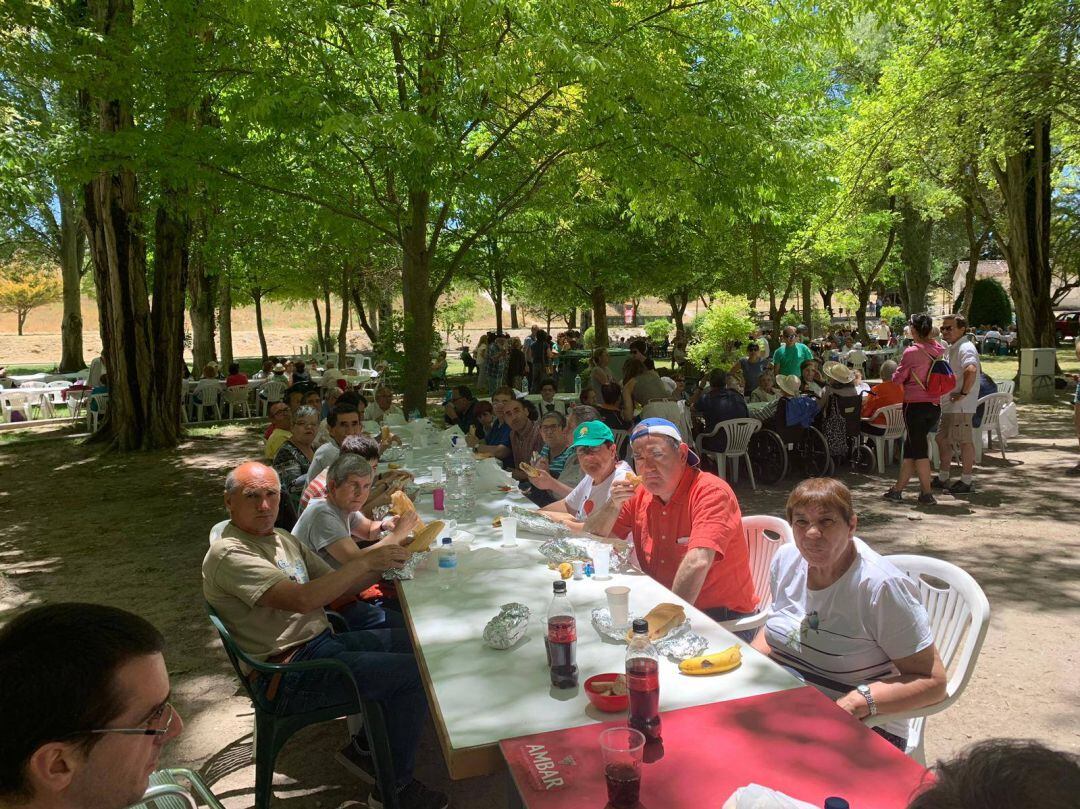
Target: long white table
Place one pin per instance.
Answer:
(479, 695)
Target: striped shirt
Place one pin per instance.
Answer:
(556, 464)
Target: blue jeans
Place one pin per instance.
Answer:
(361, 615)
(385, 670)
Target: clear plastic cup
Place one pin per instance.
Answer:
(437, 474)
(618, 601)
(622, 749)
(509, 532)
(602, 564)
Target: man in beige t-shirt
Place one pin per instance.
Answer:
(270, 591)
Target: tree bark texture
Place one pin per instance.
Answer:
(318, 325)
(203, 295)
(343, 325)
(225, 320)
(257, 296)
(915, 238)
(598, 301)
(72, 246)
(514, 316)
(678, 301)
(418, 303)
(326, 318)
(361, 314)
(975, 247)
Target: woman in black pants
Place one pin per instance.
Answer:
(922, 409)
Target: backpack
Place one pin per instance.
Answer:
(986, 387)
(941, 379)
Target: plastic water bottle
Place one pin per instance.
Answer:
(447, 564)
(643, 682)
(577, 386)
(460, 467)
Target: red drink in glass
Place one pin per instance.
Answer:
(623, 785)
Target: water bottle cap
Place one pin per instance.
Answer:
(559, 586)
(446, 540)
(836, 803)
(641, 626)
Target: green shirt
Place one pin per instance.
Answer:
(789, 360)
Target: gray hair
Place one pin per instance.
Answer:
(346, 466)
(231, 483)
(560, 419)
(583, 413)
(304, 412)
(888, 368)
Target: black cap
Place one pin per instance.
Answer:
(641, 626)
(836, 803)
(559, 586)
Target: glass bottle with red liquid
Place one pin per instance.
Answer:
(643, 682)
(562, 639)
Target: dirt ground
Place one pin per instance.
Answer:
(131, 531)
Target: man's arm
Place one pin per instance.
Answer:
(691, 573)
(500, 451)
(549, 484)
(290, 596)
(603, 519)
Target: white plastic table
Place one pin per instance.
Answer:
(479, 695)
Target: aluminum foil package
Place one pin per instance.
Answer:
(678, 644)
(508, 627)
(407, 570)
(529, 520)
(580, 549)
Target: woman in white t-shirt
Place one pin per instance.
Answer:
(594, 445)
(845, 619)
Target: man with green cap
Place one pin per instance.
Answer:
(594, 446)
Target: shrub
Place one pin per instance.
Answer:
(659, 330)
(894, 316)
(792, 317)
(721, 332)
(589, 338)
(990, 304)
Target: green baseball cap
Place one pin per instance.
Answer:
(592, 434)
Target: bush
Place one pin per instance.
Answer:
(659, 330)
(694, 325)
(894, 316)
(792, 317)
(589, 338)
(721, 332)
(990, 304)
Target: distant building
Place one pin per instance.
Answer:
(999, 269)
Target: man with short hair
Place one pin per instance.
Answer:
(383, 405)
(277, 433)
(343, 421)
(525, 437)
(84, 695)
(270, 590)
(686, 524)
(597, 455)
(459, 408)
(790, 356)
(958, 408)
(497, 439)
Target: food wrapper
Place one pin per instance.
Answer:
(678, 644)
(407, 570)
(508, 627)
(578, 549)
(529, 520)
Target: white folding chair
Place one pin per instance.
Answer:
(991, 420)
(764, 536)
(959, 617)
(236, 397)
(894, 430)
(738, 433)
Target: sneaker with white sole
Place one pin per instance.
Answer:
(413, 795)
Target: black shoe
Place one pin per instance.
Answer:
(927, 499)
(1073, 471)
(356, 760)
(961, 488)
(894, 496)
(414, 795)
(938, 483)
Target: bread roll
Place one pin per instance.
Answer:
(662, 619)
(423, 537)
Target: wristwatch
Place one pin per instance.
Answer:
(864, 689)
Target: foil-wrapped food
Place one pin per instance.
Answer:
(531, 520)
(407, 570)
(578, 549)
(678, 644)
(508, 627)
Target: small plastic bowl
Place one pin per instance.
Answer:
(606, 702)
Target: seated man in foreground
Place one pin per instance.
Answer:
(271, 591)
(83, 736)
(686, 523)
(594, 446)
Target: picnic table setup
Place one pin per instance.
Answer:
(497, 708)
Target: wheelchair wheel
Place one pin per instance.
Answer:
(813, 452)
(768, 457)
(862, 459)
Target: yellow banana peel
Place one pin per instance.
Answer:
(716, 663)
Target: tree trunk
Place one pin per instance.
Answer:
(826, 294)
(975, 246)
(361, 314)
(497, 299)
(326, 320)
(172, 242)
(915, 239)
(343, 326)
(514, 316)
(225, 320)
(678, 303)
(256, 295)
(20, 316)
(318, 325)
(571, 321)
(203, 293)
(808, 304)
(599, 312)
(72, 244)
(1025, 188)
(418, 303)
(860, 313)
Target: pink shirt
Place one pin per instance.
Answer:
(915, 364)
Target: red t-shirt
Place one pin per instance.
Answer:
(703, 513)
(233, 380)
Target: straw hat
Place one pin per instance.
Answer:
(838, 372)
(279, 368)
(788, 383)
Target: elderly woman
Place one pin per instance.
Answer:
(845, 619)
(811, 378)
(766, 388)
(293, 459)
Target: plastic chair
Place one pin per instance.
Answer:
(236, 397)
(12, 402)
(207, 394)
(738, 433)
(56, 391)
(622, 440)
(272, 391)
(217, 530)
(77, 401)
(99, 403)
(272, 729)
(1008, 387)
(763, 548)
(894, 430)
(166, 791)
(991, 420)
(959, 617)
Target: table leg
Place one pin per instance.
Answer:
(513, 797)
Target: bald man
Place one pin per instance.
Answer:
(270, 591)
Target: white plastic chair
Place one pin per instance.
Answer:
(992, 405)
(738, 433)
(959, 617)
(99, 403)
(207, 395)
(14, 402)
(764, 537)
(894, 430)
(272, 391)
(1008, 387)
(217, 531)
(236, 397)
(77, 400)
(56, 391)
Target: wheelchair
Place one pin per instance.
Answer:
(777, 449)
(842, 421)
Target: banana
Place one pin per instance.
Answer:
(716, 663)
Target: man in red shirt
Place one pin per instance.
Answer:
(686, 524)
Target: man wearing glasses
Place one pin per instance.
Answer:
(686, 523)
(597, 455)
(789, 358)
(85, 698)
(958, 408)
(277, 432)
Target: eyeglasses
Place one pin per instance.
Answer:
(155, 717)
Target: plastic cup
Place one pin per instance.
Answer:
(437, 496)
(579, 569)
(602, 565)
(618, 602)
(509, 532)
(622, 749)
(437, 474)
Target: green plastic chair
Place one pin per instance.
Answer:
(272, 729)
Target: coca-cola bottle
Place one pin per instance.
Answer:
(643, 682)
(562, 639)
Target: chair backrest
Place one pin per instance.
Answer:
(236, 394)
(850, 408)
(738, 432)
(621, 439)
(28, 386)
(209, 390)
(1007, 386)
(275, 390)
(959, 615)
(100, 402)
(992, 405)
(763, 548)
(59, 383)
(235, 656)
(217, 530)
(894, 420)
